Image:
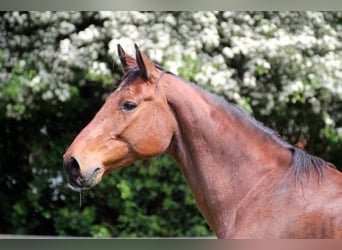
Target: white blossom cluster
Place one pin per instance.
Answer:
(303, 51)
(279, 57)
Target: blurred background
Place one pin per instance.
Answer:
(56, 69)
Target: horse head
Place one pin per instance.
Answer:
(135, 122)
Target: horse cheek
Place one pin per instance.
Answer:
(155, 139)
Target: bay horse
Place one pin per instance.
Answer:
(246, 180)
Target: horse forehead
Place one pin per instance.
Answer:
(135, 87)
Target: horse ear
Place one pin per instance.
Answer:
(145, 65)
(126, 60)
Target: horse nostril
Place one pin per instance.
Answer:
(72, 167)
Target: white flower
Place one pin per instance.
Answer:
(99, 68)
(89, 34)
(66, 27)
(339, 131)
(65, 46)
(48, 95)
(63, 93)
(156, 55)
(170, 19)
(228, 52)
(328, 121)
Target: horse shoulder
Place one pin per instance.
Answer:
(285, 209)
(318, 206)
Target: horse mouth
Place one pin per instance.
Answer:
(86, 182)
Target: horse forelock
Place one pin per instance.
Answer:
(133, 72)
(129, 76)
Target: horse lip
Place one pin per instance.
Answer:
(77, 183)
(81, 184)
(87, 181)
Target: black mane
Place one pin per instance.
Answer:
(302, 162)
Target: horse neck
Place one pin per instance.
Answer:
(221, 154)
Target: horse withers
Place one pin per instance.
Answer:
(247, 182)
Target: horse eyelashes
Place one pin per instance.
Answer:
(129, 106)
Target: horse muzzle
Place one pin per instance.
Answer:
(77, 178)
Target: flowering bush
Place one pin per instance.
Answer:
(56, 68)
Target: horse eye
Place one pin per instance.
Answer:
(129, 106)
